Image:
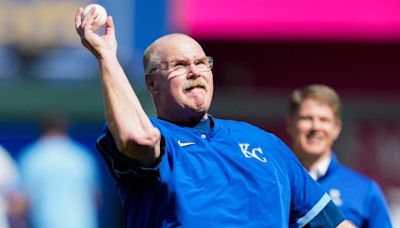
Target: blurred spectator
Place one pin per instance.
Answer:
(60, 179)
(314, 122)
(8, 180)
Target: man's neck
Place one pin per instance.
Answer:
(310, 161)
(187, 121)
(319, 170)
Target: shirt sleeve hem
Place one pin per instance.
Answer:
(325, 199)
(122, 166)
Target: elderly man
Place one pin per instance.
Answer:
(186, 167)
(314, 122)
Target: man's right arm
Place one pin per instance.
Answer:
(330, 216)
(311, 206)
(131, 128)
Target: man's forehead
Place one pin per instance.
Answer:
(179, 48)
(315, 103)
(184, 56)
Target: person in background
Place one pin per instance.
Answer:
(188, 168)
(8, 181)
(314, 123)
(59, 178)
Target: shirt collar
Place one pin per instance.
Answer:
(205, 125)
(321, 168)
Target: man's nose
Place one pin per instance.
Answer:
(193, 72)
(315, 124)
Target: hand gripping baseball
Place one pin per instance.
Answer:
(100, 12)
(99, 45)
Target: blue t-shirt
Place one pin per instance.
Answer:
(235, 175)
(358, 197)
(61, 179)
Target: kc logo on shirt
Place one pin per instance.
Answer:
(256, 153)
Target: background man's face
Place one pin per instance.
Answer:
(314, 128)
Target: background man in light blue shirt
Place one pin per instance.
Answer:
(60, 178)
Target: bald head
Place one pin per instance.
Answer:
(159, 50)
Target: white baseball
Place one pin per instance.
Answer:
(100, 15)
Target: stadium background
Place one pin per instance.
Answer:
(262, 50)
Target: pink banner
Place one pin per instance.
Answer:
(288, 19)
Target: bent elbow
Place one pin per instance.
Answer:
(139, 146)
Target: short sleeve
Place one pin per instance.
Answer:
(121, 166)
(330, 216)
(308, 199)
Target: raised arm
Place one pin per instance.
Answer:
(131, 128)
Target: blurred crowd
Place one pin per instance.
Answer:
(54, 181)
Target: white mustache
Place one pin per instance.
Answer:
(194, 83)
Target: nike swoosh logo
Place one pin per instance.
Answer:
(183, 144)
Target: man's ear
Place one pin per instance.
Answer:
(338, 129)
(151, 84)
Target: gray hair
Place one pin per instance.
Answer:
(319, 92)
(151, 60)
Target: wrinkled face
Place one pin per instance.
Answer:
(313, 129)
(182, 86)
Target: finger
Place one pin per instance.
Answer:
(89, 18)
(110, 28)
(78, 18)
